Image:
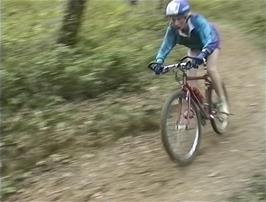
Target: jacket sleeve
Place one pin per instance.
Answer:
(169, 41)
(208, 34)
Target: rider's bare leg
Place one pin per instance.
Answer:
(214, 74)
(216, 79)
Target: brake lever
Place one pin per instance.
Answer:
(165, 70)
(186, 65)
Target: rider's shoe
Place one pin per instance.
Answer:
(223, 110)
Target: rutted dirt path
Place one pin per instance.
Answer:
(138, 169)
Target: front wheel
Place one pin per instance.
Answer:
(219, 121)
(180, 128)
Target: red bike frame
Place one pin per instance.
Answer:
(196, 95)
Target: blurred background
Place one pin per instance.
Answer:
(74, 73)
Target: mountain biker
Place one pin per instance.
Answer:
(202, 39)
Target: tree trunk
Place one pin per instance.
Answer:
(71, 22)
(133, 2)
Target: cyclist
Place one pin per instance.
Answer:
(202, 39)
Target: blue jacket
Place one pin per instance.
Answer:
(202, 36)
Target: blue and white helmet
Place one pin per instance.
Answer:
(178, 7)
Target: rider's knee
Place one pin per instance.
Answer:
(212, 70)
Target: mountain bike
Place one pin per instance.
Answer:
(186, 111)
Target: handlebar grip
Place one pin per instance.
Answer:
(163, 70)
(151, 64)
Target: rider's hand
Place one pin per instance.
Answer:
(200, 59)
(157, 68)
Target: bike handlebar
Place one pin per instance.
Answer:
(180, 65)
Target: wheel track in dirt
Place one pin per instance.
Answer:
(138, 169)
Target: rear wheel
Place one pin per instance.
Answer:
(219, 121)
(180, 128)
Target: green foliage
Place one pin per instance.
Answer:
(36, 71)
(249, 16)
(33, 134)
(42, 78)
(116, 43)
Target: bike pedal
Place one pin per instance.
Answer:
(189, 116)
(181, 127)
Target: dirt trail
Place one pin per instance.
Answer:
(138, 169)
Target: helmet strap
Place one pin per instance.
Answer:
(188, 16)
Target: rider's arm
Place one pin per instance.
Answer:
(208, 34)
(169, 41)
